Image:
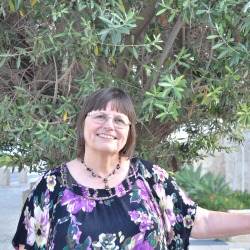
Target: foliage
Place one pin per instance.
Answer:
(185, 64)
(211, 191)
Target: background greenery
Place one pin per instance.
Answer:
(184, 62)
(211, 191)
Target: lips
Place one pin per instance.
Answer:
(106, 136)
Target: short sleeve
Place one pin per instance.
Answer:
(34, 223)
(177, 209)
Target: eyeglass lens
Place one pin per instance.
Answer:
(117, 120)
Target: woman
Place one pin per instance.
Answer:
(108, 199)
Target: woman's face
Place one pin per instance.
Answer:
(106, 130)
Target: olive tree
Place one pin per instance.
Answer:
(184, 62)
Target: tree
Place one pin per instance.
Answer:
(184, 62)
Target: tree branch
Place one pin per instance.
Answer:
(56, 82)
(167, 48)
(67, 75)
(147, 14)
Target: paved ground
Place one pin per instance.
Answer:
(11, 202)
(218, 245)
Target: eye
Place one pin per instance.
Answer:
(99, 117)
(119, 121)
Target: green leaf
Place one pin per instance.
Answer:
(160, 106)
(17, 4)
(104, 34)
(107, 21)
(121, 48)
(135, 53)
(199, 12)
(33, 3)
(184, 65)
(246, 7)
(222, 54)
(18, 62)
(216, 46)
(161, 12)
(116, 38)
(158, 47)
(12, 5)
(2, 61)
(121, 6)
(212, 37)
(171, 17)
(162, 116)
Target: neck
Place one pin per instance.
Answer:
(101, 163)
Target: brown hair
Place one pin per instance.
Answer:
(121, 102)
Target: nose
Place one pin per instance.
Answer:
(109, 123)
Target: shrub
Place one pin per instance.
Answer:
(211, 191)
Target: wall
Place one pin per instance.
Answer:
(235, 166)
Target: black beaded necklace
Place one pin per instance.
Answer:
(104, 179)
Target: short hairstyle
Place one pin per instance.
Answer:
(121, 102)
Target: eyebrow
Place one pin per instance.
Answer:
(102, 111)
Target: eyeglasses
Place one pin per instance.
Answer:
(120, 121)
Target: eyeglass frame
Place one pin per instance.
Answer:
(126, 124)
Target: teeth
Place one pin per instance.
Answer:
(107, 136)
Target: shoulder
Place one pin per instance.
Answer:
(49, 181)
(142, 164)
(151, 170)
(164, 182)
(54, 176)
(54, 172)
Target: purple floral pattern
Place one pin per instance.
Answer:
(159, 173)
(143, 246)
(120, 190)
(37, 227)
(152, 212)
(142, 219)
(75, 203)
(143, 190)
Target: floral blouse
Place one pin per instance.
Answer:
(146, 211)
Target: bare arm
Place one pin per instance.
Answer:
(211, 224)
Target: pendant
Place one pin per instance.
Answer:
(105, 180)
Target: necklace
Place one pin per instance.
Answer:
(104, 179)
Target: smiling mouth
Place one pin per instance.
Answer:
(105, 136)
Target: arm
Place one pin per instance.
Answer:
(39, 198)
(210, 224)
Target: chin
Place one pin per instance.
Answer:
(107, 150)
